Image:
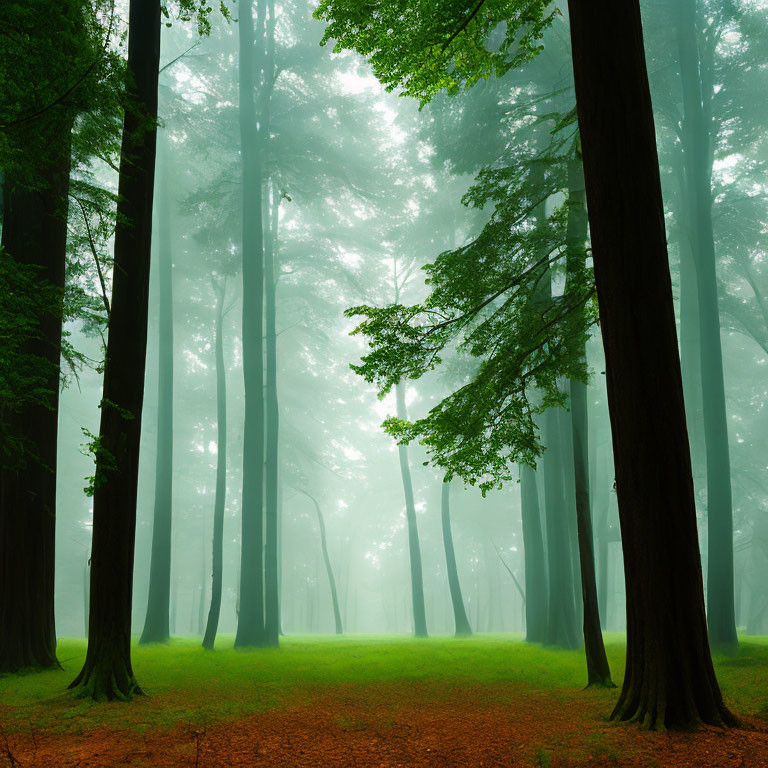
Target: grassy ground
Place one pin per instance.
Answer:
(187, 685)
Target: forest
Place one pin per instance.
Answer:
(383, 383)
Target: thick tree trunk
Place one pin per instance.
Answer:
(417, 581)
(669, 679)
(561, 619)
(461, 622)
(34, 233)
(272, 559)
(217, 560)
(536, 604)
(156, 628)
(107, 672)
(598, 672)
(698, 169)
(250, 624)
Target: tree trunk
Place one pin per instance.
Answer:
(250, 625)
(328, 568)
(669, 680)
(107, 672)
(217, 559)
(417, 582)
(598, 672)
(698, 169)
(561, 619)
(461, 622)
(156, 628)
(34, 233)
(272, 560)
(536, 604)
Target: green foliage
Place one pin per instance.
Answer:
(24, 376)
(490, 300)
(103, 458)
(425, 47)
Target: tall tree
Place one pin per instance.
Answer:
(37, 150)
(414, 548)
(35, 235)
(156, 628)
(598, 672)
(250, 624)
(217, 560)
(107, 671)
(536, 603)
(272, 555)
(696, 144)
(460, 620)
(669, 679)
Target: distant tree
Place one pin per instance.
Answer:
(156, 627)
(214, 611)
(460, 620)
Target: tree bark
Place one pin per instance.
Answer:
(536, 603)
(107, 672)
(250, 624)
(461, 622)
(417, 581)
(698, 170)
(34, 233)
(669, 680)
(156, 626)
(217, 559)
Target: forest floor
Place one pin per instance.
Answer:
(366, 701)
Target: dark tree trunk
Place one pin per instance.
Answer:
(669, 679)
(272, 559)
(34, 233)
(698, 169)
(461, 622)
(217, 560)
(156, 627)
(536, 604)
(598, 672)
(107, 672)
(250, 624)
(562, 628)
(417, 581)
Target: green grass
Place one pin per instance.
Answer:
(186, 684)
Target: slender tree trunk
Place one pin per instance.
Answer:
(461, 622)
(417, 582)
(217, 559)
(598, 672)
(328, 568)
(156, 628)
(107, 672)
(561, 620)
(250, 625)
(34, 233)
(272, 559)
(696, 153)
(536, 603)
(669, 679)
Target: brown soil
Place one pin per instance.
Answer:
(399, 726)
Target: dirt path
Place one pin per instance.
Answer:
(399, 726)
